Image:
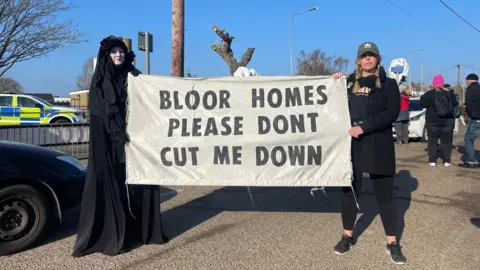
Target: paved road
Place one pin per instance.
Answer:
(218, 228)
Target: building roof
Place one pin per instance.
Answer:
(79, 92)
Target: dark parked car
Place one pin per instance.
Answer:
(37, 186)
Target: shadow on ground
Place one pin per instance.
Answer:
(461, 149)
(475, 222)
(69, 224)
(286, 199)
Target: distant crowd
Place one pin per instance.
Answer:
(443, 106)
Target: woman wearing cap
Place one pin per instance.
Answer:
(374, 104)
(113, 217)
(439, 125)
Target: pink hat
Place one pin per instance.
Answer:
(438, 81)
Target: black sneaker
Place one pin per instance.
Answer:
(343, 246)
(395, 253)
(469, 165)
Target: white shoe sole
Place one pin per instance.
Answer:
(388, 252)
(338, 253)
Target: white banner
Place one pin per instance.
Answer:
(229, 131)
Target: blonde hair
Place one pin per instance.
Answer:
(358, 74)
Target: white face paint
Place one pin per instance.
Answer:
(118, 55)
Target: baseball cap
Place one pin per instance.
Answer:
(368, 47)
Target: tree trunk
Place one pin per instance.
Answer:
(225, 51)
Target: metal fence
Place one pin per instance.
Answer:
(71, 139)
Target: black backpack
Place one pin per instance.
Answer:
(443, 104)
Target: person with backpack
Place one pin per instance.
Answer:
(440, 120)
(457, 114)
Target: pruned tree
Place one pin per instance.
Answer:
(225, 50)
(84, 78)
(318, 63)
(30, 29)
(10, 85)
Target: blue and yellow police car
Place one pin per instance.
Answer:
(19, 109)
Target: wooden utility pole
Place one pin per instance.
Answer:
(458, 77)
(459, 85)
(178, 27)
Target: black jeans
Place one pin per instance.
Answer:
(383, 185)
(444, 132)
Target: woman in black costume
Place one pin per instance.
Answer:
(114, 217)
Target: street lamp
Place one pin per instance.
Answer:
(291, 36)
(410, 76)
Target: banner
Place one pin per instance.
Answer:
(230, 131)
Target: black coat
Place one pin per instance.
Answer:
(427, 101)
(374, 151)
(472, 101)
(113, 216)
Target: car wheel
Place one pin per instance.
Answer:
(62, 121)
(23, 218)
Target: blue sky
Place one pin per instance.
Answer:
(337, 28)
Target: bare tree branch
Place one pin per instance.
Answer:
(10, 85)
(318, 63)
(30, 29)
(84, 78)
(225, 50)
(247, 56)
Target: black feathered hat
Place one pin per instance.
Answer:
(108, 43)
(105, 69)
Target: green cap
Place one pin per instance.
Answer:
(368, 47)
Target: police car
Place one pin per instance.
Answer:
(19, 109)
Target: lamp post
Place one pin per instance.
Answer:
(410, 76)
(291, 36)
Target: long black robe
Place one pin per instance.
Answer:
(106, 224)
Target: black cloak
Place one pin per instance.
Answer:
(114, 217)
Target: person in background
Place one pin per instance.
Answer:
(439, 123)
(374, 104)
(448, 87)
(403, 119)
(472, 106)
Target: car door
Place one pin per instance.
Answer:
(7, 111)
(30, 111)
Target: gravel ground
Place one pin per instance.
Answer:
(287, 228)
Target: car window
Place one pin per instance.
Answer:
(26, 102)
(43, 101)
(415, 105)
(6, 101)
